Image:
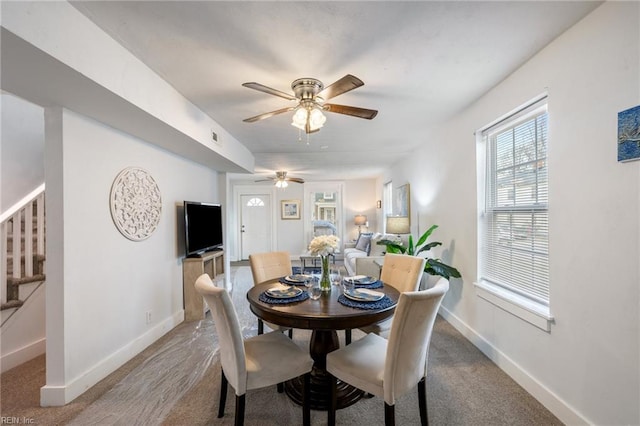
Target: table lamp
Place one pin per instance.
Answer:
(360, 220)
(398, 225)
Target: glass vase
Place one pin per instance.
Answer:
(325, 280)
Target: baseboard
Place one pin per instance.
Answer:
(61, 395)
(24, 354)
(546, 397)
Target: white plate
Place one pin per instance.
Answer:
(283, 292)
(365, 280)
(364, 295)
(297, 278)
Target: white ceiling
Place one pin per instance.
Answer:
(421, 62)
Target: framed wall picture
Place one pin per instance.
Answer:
(629, 134)
(401, 201)
(290, 209)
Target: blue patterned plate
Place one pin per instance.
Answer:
(364, 295)
(282, 292)
(363, 279)
(297, 278)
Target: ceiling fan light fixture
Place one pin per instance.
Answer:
(308, 117)
(300, 118)
(281, 183)
(316, 119)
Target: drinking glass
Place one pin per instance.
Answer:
(336, 276)
(308, 282)
(314, 290)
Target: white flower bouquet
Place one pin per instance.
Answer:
(324, 245)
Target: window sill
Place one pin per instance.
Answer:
(523, 308)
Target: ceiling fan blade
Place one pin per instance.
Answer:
(345, 84)
(267, 115)
(265, 180)
(349, 110)
(262, 88)
(296, 180)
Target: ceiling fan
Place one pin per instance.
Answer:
(281, 180)
(310, 95)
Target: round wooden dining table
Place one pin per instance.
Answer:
(323, 316)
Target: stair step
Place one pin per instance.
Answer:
(10, 304)
(25, 280)
(13, 285)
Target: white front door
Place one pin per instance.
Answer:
(255, 224)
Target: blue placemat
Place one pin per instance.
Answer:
(275, 301)
(383, 303)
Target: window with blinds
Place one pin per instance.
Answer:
(514, 250)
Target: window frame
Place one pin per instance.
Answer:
(509, 298)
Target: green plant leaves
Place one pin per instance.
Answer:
(433, 266)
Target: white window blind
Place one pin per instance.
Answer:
(514, 252)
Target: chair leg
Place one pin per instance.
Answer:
(260, 326)
(239, 410)
(422, 402)
(306, 400)
(223, 394)
(291, 333)
(389, 415)
(333, 401)
(347, 337)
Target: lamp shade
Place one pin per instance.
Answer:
(360, 220)
(398, 225)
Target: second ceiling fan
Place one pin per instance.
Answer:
(311, 95)
(281, 179)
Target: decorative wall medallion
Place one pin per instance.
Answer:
(135, 203)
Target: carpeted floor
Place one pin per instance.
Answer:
(176, 380)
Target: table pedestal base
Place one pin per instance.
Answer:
(321, 391)
(322, 342)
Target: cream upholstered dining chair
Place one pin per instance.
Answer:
(256, 362)
(266, 267)
(390, 368)
(403, 272)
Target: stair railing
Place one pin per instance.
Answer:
(14, 215)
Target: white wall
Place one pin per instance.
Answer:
(586, 370)
(360, 198)
(290, 233)
(22, 149)
(106, 283)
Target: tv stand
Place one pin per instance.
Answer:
(211, 263)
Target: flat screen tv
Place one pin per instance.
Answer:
(202, 227)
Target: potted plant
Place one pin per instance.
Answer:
(433, 266)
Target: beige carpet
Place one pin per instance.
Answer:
(176, 380)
